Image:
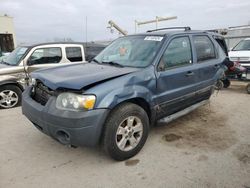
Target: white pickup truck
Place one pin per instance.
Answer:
(25, 59)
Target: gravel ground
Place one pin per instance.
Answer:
(209, 147)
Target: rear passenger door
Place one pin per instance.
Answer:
(177, 76)
(206, 59)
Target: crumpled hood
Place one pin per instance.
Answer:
(78, 76)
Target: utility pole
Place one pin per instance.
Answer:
(86, 29)
(156, 21)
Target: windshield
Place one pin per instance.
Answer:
(242, 45)
(131, 51)
(14, 57)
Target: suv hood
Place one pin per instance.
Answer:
(80, 75)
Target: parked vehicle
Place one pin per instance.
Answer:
(241, 53)
(14, 69)
(3, 55)
(233, 70)
(133, 83)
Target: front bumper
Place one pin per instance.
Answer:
(72, 128)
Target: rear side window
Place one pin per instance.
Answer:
(45, 56)
(204, 48)
(74, 54)
(177, 54)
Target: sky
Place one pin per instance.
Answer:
(48, 20)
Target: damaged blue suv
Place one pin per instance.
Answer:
(133, 83)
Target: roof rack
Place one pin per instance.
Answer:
(166, 28)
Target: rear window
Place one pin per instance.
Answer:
(74, 54)
(204, 48)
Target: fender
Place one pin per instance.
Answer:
(11, 79)
(219, 74)
(120, 95)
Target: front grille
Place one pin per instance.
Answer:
(41, 93)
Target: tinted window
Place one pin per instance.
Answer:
(45, 55)
(178, 53)
(74, 54)
(204, 48)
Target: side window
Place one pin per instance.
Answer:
(45, 56)
(204, 48)
(74, 54)
(177, 54)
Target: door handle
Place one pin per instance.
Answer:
(190, 73)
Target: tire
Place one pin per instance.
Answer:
(10, 96)
(123, 117)
(219, 85)
(248, 88)
(226, 83)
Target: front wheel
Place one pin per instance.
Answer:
(10, 96)
(126, 131)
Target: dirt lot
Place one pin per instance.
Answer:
(209, 147)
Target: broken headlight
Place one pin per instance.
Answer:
(75, 102)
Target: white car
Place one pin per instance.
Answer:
(241, 53)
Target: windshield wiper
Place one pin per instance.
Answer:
(95, 61)
(112, 63)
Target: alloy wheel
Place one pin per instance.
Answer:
(8, 99)
(129, 133)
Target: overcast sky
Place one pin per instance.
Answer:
(44, 20)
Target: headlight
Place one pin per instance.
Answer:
(75, 102)
(32, 81)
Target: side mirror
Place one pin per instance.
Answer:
(30, 62)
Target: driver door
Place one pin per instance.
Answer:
(177, 77)
(44, 57)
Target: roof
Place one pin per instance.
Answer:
(176, 30)
(88, 44)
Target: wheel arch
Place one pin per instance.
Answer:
(9, 82)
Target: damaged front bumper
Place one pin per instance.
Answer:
(70, 128)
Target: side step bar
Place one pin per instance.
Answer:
(183, 112)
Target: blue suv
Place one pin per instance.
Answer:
(133, 83)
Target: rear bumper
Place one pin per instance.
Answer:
(73, 128)
(245, 64)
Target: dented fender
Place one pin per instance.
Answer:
(140, 84)
(126, 93)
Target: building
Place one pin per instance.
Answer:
(7, 34)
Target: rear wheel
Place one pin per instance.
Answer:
(126, 131)
(226, 83)
(10, 96)
(219, 85)
(248, 88)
